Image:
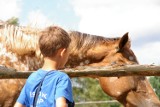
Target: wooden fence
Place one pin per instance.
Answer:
(109, 71)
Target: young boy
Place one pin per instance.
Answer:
(56, 89)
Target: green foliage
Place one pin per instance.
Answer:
(88, 89)
(155, 82)
(13, 21)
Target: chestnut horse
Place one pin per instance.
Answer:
(19, 50)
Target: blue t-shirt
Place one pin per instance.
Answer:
(56, 84)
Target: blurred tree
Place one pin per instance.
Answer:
(155, 82)
(13, 21)
(88, 89)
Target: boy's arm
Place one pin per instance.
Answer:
(61, 102)
(17, 104)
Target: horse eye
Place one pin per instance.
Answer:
(117, 49)
(113, 63)
(131, 58)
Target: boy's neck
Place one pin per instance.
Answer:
(50, 64)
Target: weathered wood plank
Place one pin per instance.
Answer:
(127, 70)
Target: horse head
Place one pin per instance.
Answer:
(131, 91)
(92, 50)
(121, 53)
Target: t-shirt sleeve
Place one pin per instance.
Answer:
(22, 97)
(64, 89)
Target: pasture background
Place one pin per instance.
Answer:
(88, 89)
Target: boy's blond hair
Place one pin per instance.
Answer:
(51, 39)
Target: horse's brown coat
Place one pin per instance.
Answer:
(19, 50)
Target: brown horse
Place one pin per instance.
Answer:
(19, 49)
(132, 91)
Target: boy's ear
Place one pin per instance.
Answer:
(62, 51)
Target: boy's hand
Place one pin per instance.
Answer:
(19, 105)
(61, 102)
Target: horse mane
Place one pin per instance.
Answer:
(24, 40)
(18, 39)
(81, 42)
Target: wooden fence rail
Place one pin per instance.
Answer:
(97, 102)
(127, 70)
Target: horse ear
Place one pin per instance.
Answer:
(123, 41)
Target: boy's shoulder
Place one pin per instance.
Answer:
(41, 73)
(57, 73)
(61, 74)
